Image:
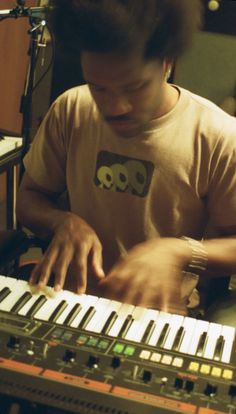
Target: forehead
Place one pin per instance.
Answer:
(113, 69)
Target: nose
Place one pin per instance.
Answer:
(117, 105)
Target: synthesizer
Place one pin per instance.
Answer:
(68, 353)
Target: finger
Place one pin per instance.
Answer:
(79, 268)
(114, 288)
(43, 270)
(60, 271)
(97, 262)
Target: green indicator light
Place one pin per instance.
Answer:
(82, 339)
(129, 351)
(92, 341)
(118, 348)
(103, 344)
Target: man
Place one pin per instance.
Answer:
(143, 162)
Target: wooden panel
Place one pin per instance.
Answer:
(14, 45)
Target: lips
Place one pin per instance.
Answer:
(119, 124)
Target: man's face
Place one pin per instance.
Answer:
(128, 91)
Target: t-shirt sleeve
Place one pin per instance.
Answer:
(222, 185)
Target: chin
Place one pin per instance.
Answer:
(127, 133)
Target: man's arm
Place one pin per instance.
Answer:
(74, 244)
(151, 273)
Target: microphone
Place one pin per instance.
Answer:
(37, 12)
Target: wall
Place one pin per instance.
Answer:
(14, 45)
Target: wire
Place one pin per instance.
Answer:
(51, 60)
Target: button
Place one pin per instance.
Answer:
(69, 356)
(205, 369)
(178, 383)
(82, 339)
(115, 362)
(129, 350)
(178, 362)
(227, 374)
(156, 357)
(193, 366)
(103, 344)
(216, 372)
(93, 361)
(232, 390)
(14, 342)
(92, 341)
(145, 354)
(166, 359)
(118, 348)
(210, 390)
(189, 386)
(147, 376)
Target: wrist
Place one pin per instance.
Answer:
(197, 263)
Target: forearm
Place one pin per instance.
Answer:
(221, 256)
(39, 213)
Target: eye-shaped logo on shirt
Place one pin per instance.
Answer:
(122, 174)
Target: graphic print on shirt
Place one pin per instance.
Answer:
(118, 173)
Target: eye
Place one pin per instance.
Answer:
(135, 88)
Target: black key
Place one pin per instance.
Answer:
(148, 332)
(58, 311)
(125, 327)
(201, 344)
(72, 314)
(163, 336)
(219, 348)
(109, 322)
(21, 302)
(4, 293)
(87, 317)
(178, 339)
(36, 306)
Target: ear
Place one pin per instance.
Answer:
(167, 68)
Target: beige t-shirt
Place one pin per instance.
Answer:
(170, 181)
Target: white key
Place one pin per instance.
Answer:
(7, 282)
(142, 317)
(23, 311)
(213, 334)
(48, 307)
(162, 319)
(137, 315)
(86, 301)
(104, 308)
(72, 299)
(175, 322)
(124, 310)
(189, 328)
(200, 327)
(19, 288)
(229, 334)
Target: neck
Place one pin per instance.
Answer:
(170, 99)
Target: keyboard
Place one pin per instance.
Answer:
(96, 315)
(88, 354)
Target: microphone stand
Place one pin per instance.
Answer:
(37, 22)
(26, 100)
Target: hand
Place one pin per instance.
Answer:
(74, 247)
(150, 275)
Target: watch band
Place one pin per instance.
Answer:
(199, 259)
